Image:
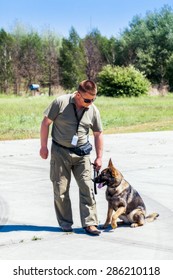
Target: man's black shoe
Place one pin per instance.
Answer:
(67, 229)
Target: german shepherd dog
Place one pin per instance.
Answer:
(124, 202)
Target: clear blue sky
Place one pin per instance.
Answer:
(110, 17)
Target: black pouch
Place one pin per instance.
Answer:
(83, 149)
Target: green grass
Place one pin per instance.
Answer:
(20, 117)
(147, 113)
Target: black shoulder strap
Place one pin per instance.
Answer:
(78, 119)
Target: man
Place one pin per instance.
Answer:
(72, 116)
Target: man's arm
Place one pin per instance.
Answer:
(44, 133)
(98, 141)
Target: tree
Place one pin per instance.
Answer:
(161, 28)
(169, 73)
(16, 61)
(109, 50)
(5, 60)
(31, 58)
(51, 46)
(72, 64)
(148, 44)
(93, 56)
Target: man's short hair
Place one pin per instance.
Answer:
(88, 86)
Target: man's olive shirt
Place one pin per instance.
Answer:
(61, 111)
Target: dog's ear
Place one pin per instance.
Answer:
(114, 171)
(110, 164)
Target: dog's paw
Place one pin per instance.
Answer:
(114, 225)
(134, 225)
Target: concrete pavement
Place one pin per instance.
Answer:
(28, 226)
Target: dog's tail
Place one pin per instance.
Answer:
(151, 217)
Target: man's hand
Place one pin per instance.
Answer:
(44, 152)
(44, 132)
(98, 139)
(97, 164)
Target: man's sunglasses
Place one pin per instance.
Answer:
(87, 100)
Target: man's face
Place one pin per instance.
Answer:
(86, 99)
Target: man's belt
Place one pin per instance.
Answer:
(59, 145)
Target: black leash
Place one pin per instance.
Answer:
(96, 173)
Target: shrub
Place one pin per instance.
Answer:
(122, 81)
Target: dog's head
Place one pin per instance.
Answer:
(109, 176)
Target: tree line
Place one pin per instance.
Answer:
(27, 57)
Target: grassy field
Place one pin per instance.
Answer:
(20, 117)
